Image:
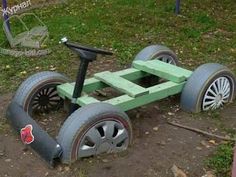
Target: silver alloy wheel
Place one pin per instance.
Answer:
(167, 59)
(104, 137)
(209, 87)
(217, 94)
(93, 129)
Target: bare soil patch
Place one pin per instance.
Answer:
(156, 145)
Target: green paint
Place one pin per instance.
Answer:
(163, 70)
(121, 84)
(156, 92)
(134, 95)
(84, 100)
(125, 102)
(65, 90)
(93, 84)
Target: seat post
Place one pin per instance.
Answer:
(79, 83)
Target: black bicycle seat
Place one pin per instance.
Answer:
(85, 52)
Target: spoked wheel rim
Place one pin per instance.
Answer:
(167, 59)
(217, 94)
(104, 137)
(45, 100)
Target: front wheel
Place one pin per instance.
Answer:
(94, 129)
(209, 87)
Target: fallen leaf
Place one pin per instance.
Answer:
(23, 72)
(171, 114)
(155, 128)
(105, 160)
(209, 174)
(178, 172)
(8, 160)
(67, 168)
(53, 69)
(198, 148)
(212, 142)
(99, 92)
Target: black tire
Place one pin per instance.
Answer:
(156, 52)
(202, 88)
(74, 131)
(37, 86)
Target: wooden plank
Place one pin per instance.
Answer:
(125, 102)
(156, 93)
(121, 84)
(85, 100)
(92, 84)
(65, 90)
(163, 70)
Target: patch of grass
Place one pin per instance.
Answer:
(221, 160)
(204, 32)
(205, 21)
(214, 114)
(191, 33)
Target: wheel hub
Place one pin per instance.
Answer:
(46, 100)
(217, 94)
(104, 137)
(219, 98)
(104, 147)
(43, 100)
(167, 59)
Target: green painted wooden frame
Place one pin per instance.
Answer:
(136, 96)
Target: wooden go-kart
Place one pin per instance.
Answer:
(94, 126)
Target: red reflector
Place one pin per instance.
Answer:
(26, 134)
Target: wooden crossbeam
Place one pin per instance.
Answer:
(163, 70)
(121, 84)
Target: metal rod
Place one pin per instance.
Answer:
(5, 15)
(79, 83)
(177, 7)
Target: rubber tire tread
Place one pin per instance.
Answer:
(25, 89)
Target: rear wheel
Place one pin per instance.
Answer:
(94, 129)
(209, 87)
(38, 93)
(156, 52)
